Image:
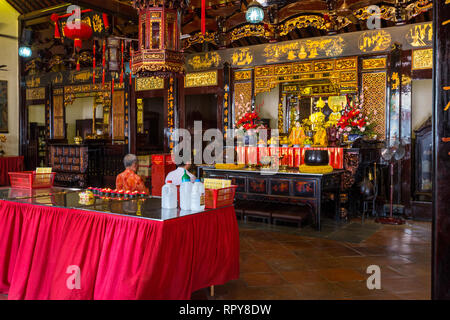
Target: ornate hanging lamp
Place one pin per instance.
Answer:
(255, 12)
(159, 52)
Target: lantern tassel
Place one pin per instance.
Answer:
(121, 68)
(78, 65)
(105, 21)
(55, 18)
(93, 64)
(103, 78)
(78, 43)
(203, 17)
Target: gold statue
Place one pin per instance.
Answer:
(320, 137)
(297, 136)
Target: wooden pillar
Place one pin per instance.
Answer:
(441, 151)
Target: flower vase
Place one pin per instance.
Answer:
(353, 137)
(250, 138)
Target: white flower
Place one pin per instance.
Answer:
(348, 129)
(363, 129)
(368, 123)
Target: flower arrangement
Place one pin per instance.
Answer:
(354, 120)
(249, 121)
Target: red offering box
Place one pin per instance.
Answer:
(162, 164)
(216, 198)
(31, 179)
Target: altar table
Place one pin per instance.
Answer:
(43, 249)
(9, 164)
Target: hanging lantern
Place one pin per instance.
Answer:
(255, 12)
(159, 51)
(81, 31)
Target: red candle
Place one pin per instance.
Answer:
(252, 155)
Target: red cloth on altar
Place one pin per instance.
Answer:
(9, 164)
(119, 257)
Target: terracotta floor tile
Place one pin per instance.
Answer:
(277, 256)
(320, 263)
(250, 262)
(302, 276)
(320, 291)
(283, 265)
(341, 274)
(281, 293)
(341, 252)
(290, 265)
(262, 279)
(311, 253)
(296, 245)
(405, 285)
(263, 245)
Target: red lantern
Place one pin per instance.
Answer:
(83, 32)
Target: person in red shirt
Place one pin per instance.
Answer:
(128, 180)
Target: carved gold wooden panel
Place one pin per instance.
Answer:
(374, 90)
(242, 99)
(118, 112)
(58, 117)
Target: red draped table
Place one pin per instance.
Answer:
(43, 249)
(9, 164)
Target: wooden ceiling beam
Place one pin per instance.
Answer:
(112, 7)
(44, 12)
(16, 6)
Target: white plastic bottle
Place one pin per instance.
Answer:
(185, 192)
(198, 196)
(169, 196)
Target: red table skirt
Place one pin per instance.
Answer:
(43, 248)
(9, 164)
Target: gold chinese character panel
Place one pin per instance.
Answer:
(342, 74)
(376, 63)
(149, 83)
(422, 59)
(200, 79)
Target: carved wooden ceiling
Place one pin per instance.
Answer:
(225, 19)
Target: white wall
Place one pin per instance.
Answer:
(36, 113)
(268, 102)
(422, 100)
(9, 56)
(79, 110)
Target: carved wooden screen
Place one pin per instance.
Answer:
(58, 117)
(374, 90)
(118, 114)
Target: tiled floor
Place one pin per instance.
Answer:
(285, 263)
(290, 264)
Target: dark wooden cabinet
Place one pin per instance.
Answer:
(314, 190)
(423, 172)
(70, 162)
(423, 162)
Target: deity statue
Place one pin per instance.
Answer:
(336, 115)
(297, 135)
(320, 137)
